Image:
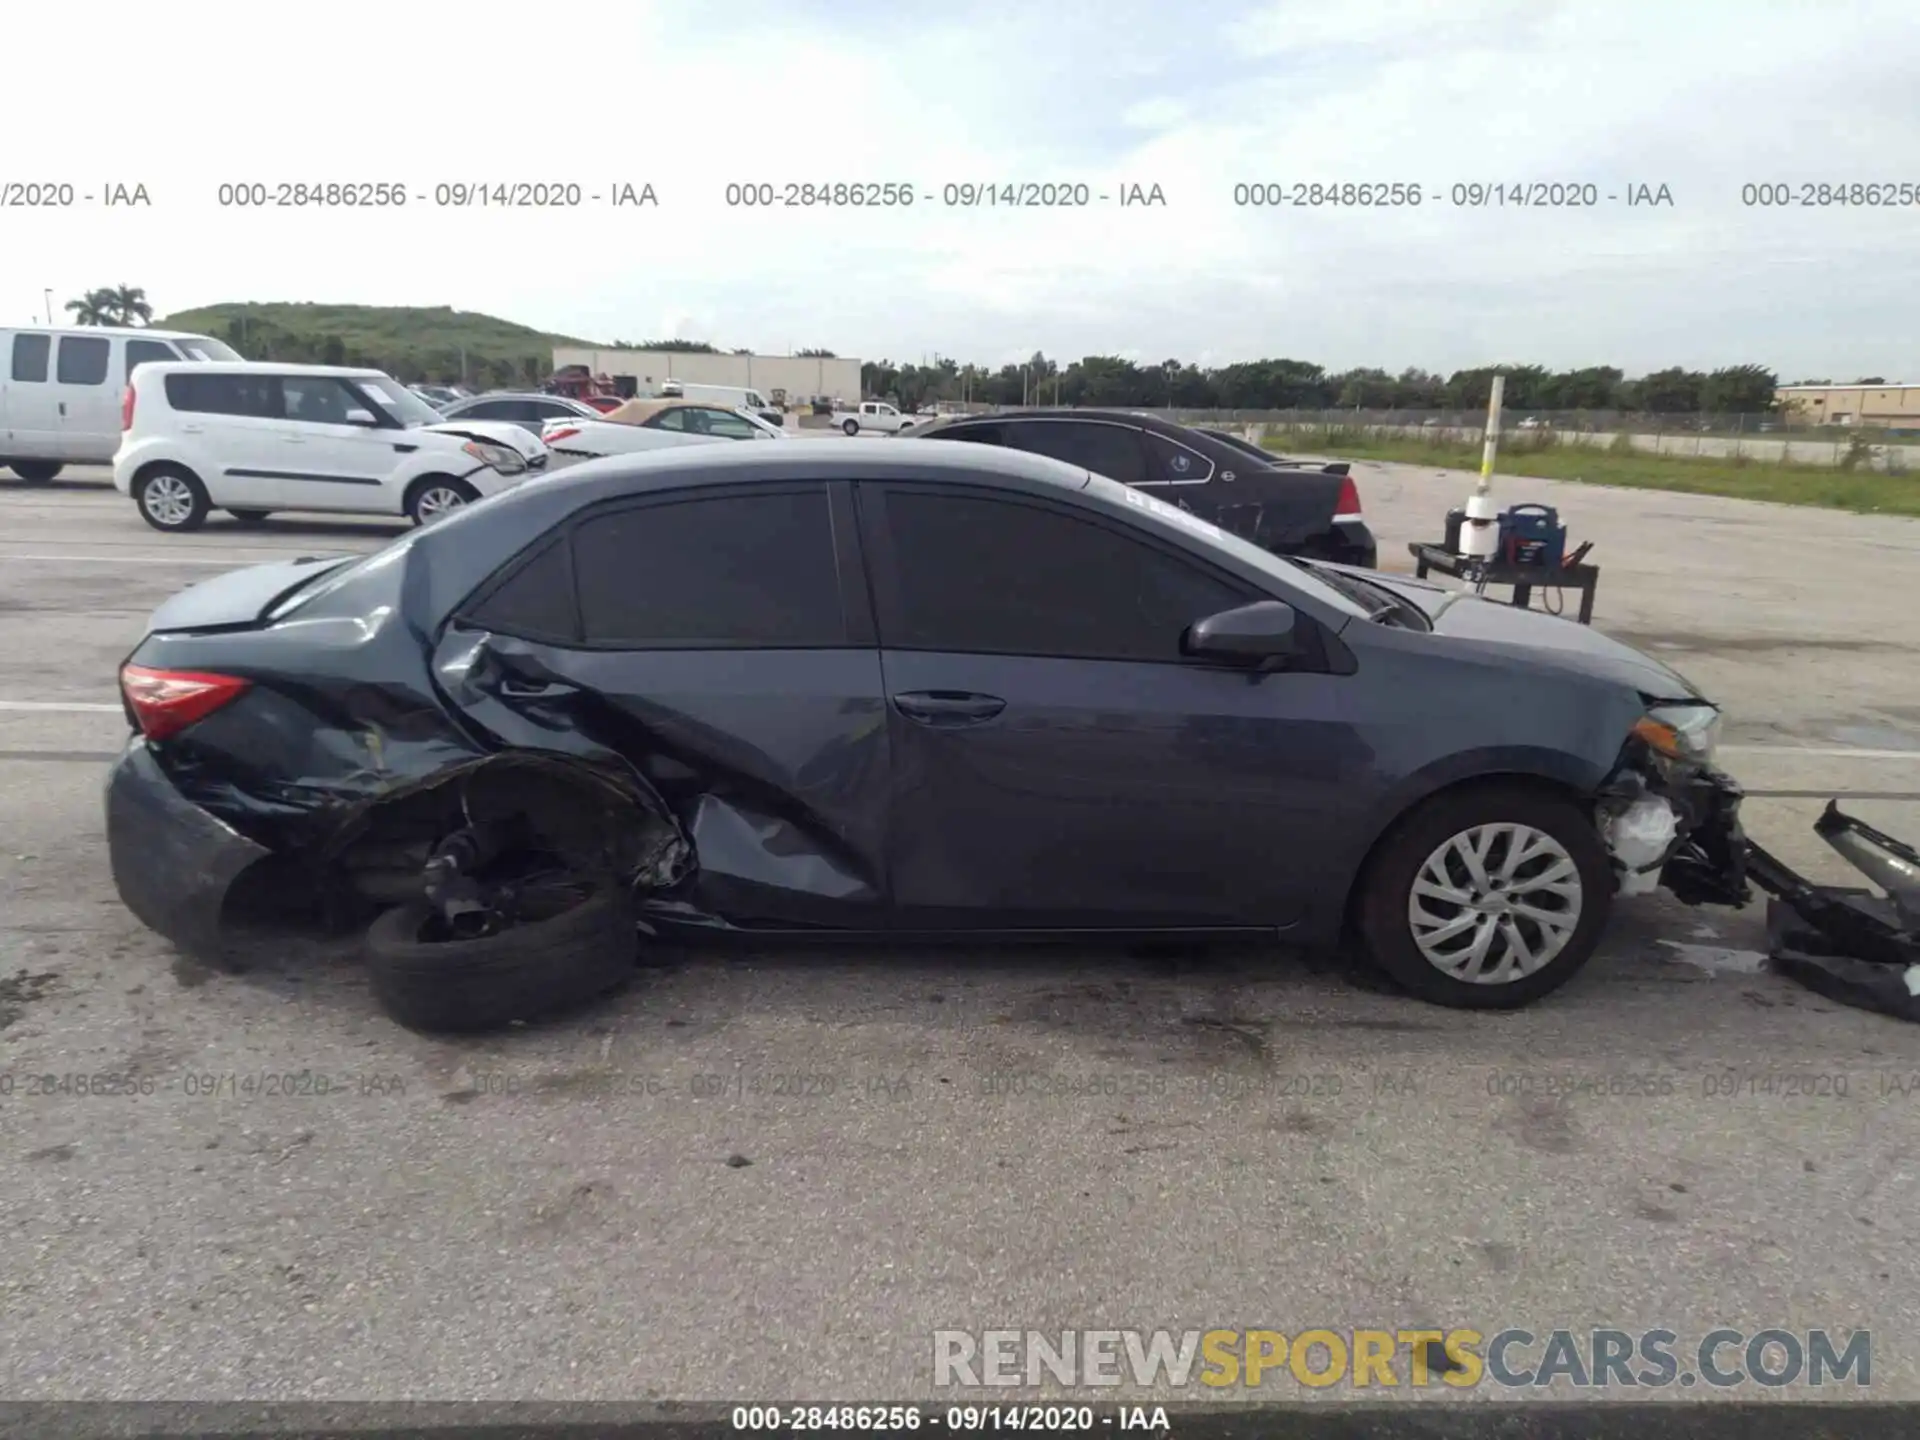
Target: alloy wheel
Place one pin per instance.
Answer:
(1495, 903)
(437, 502)
(168, 499)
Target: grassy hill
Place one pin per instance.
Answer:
(412, 342)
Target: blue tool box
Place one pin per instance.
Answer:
(1532, 535)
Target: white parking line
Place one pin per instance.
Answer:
(1831, 752)
(61, 707)
(225, 562)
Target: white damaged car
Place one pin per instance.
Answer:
(251, 438)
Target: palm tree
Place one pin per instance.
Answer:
(130, 305)
(96, 307)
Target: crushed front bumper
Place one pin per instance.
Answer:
(172, 862)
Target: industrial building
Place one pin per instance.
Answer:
(783, 379)
(1893, 407)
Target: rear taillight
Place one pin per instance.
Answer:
(565, 432)
(165, 702)
(126, 409)
(1349, 502)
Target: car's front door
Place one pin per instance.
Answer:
(723, 643)
(339, 452)
(1058, 762)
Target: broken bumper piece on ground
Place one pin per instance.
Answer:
(1849, 944)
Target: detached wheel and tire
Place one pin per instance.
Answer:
(852, 427)
(36, 472)
(534, 969)
(434, 497)
(1487, 898)
(171, 498)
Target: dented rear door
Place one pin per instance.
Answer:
(722, 644)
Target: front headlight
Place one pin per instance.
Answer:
(1681, 732)
(499, 457)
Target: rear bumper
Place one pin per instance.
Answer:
(172, 862)
(1348, 543)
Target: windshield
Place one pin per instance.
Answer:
(1277, 566)
(398, 401)
(198, 347)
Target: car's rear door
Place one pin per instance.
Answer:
(722, 640)
(1059, 763)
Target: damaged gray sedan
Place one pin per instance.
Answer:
(933, 691)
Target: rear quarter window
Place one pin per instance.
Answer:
(250, 395)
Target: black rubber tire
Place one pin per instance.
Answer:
(202, 506)
(1380, 911)
(527, 973)
(249, 517)
(435, 482)
(851, 427)
(36, 472)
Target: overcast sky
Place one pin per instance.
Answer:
(1701, 96)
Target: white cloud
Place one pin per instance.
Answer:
(1701, 97)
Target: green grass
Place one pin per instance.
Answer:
(1864, 492)
(413, 342)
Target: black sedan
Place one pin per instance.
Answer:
(1281, 505)
(900, 691)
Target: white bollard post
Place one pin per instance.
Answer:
(1480, 534)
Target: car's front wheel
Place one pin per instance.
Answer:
(434, 497)
(1486, 897)
(852, 427)
(171, 498)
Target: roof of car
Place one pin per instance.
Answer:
(639, 411)
(514, 395)
(262, 367)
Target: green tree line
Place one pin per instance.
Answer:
(1106, 380)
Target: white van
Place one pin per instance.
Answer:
(727, 397)
(60, 390)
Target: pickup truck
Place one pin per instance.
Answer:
(874, 415)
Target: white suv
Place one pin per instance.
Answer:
(254, 438)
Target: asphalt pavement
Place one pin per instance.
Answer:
(775, 1173)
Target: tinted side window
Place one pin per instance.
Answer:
(1003, 577)
(221, 394)
(83, 360)
(1110, 450)
(974, 434)
(142, 352)
(1175, 463)
(735, 570)
(536, 600)
(726, 424)
(30, 357)
(487, 410)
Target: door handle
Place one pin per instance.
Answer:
(514, 688)
(948, 707)
(193, 429)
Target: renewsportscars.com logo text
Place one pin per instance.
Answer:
(1511, 1358)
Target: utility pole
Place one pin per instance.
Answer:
(48, 295)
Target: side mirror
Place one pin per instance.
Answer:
(362, 417)
(1263, 631)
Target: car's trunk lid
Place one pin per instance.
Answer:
(240, 599)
